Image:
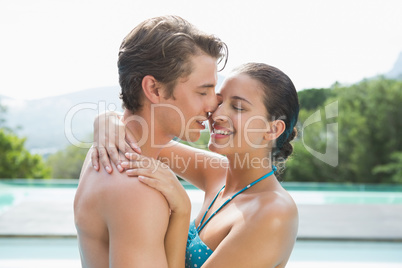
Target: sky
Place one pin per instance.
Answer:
(54, 47)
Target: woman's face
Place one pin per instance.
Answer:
(239, 124)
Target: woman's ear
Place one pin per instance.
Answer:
(277, 127)
(151, 88)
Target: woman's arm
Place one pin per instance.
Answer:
(199, 167)
(111, 141)
(176, 239)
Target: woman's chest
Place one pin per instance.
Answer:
(220, 221)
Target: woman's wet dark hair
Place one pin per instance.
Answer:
(280, 100)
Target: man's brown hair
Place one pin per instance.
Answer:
(162, 47)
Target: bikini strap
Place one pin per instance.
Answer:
(200, 227)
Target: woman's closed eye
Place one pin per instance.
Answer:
(237, 108)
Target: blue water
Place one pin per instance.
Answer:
(16, 252)
(304, 251)
(14, 191)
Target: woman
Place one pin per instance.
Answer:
(247, 218)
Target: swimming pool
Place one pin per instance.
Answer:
(49, 250)
(13, 192)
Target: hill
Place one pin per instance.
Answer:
(51, 123)
(396, 71)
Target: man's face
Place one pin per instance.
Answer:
(194, 98)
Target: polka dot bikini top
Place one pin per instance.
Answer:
(197, 252)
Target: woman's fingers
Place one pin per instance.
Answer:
(137, 163)
(114, 157)
(136, 156)
(175, 194)
(135, 147)
(109, 138)
(127, 148)
(151, 182)
(150, 167)
(95, 158)
(132, 142)
(142, 172)
(104, 159)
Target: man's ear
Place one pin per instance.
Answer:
(277, 127)
(151, 88)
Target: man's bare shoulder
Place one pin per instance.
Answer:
(117, 189)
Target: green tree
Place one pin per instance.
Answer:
(392, 171)
(16, 161)
(302, 165)
(3, 110)
(370, 128)
(312, 99)
(67, 163)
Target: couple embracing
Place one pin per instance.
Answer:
(135, 213)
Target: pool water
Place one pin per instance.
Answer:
(341, 197)
(63, 252)
(19, 252)
(14, 191)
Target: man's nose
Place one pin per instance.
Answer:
(212, 104)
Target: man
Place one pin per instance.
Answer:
(167, 73)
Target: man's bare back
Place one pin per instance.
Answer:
(120, 217)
